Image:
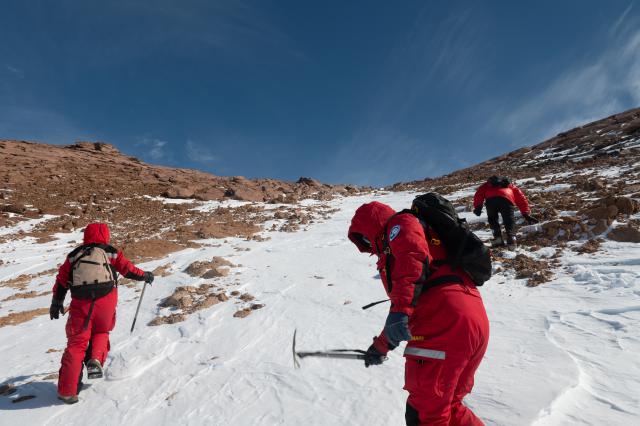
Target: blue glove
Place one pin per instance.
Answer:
(396, 328)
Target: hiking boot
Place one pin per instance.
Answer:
(71, 399)
(94, 369)
(511, 242)
(497, 242)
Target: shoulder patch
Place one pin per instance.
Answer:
(394, 232)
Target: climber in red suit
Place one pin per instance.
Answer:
(446, 326)
(90, 318)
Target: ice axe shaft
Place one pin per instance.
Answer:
(135, 317)
(335, 353)
(331, 354)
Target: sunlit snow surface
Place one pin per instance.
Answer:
(564, 353)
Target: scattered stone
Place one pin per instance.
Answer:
(169, 319)
(536, 271)
(591, 246)
(7, 389)
(22, 398)
(242, 313)
(625, 234)
(16, 208)
(27, 295)
(217, 267)
(256, 306)
(246, 297)
(16, 318)
(216, 273)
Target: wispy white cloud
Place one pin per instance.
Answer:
(591, 91)
(200, 154)
(155, 147)
(15, 71)
(381, 158)
(238, 28)
(618, 24)
(434, 52)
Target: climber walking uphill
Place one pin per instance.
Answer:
(434, 305)
(90, 272)
(500, 195)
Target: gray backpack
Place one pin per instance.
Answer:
(92, 275)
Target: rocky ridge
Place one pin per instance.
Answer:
(86, 182)
(583, 184)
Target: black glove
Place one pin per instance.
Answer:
(56, 309)
(530, 219)
(148, 277)
(373, 357)
(477, 211)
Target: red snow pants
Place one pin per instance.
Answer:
(102, 321)
(452, 325)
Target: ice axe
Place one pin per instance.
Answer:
(334, 353)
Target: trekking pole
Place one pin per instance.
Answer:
(135, 317)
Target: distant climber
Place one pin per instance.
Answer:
(433, 306)
(500, 196)
(90, 272)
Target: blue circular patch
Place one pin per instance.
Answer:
(394, 232)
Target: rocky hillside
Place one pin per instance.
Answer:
(89, 181)
(592, 171)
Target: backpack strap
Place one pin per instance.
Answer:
(86, 320)
(419, 284)
(445, 279)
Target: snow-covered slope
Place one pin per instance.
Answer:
(565, 352)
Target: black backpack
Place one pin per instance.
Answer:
(465, 250)
(499, 181)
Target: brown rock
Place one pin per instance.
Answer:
(242, 313)
(209, 301)
(179, 299)
(178, 192)
(245, 194)
(16, 208)
(590, 246)
(209, 194)
(602, 212)
(626, 205)
(246, 297)
(216, 273)
(600, 227)
(625, 234)
(169, 319)
(216, 267)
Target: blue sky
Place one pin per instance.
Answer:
(365, 92)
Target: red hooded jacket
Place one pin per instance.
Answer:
(97, 234)
(412, 253)
(511, 193)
